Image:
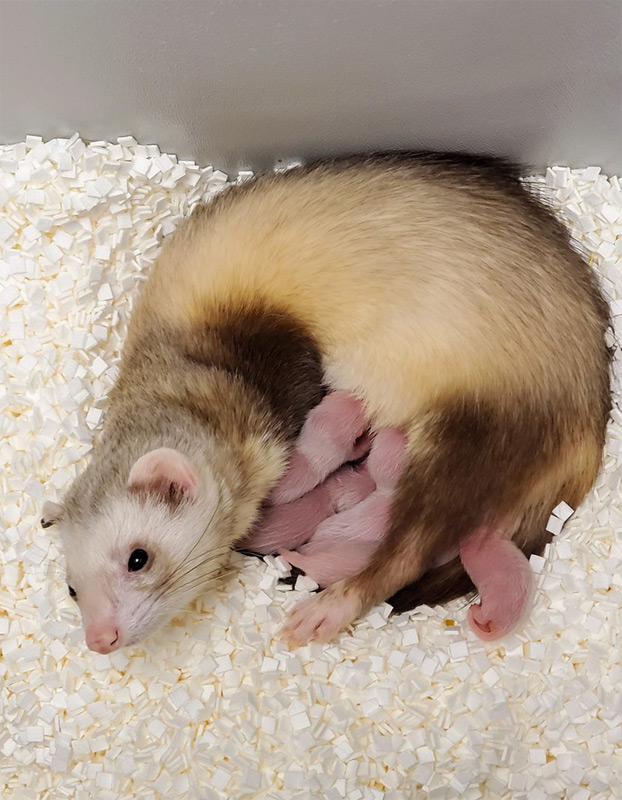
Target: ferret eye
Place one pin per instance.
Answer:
(137, 560)
(72, 592)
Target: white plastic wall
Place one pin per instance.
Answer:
(240, 82)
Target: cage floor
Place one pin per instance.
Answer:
(215, 706)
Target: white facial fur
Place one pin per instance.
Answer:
(119, 606)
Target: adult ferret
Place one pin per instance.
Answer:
(433, 287)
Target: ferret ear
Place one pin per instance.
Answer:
(166, 474)
(51, 513)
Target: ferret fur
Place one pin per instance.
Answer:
(433, 287)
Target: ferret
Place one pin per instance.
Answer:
(434, 288)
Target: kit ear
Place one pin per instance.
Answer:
(166, 474)
(51, 513)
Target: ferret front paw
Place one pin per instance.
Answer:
(321, 618)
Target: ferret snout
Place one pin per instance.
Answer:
(103, 637)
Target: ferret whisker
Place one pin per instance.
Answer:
(204, 579)
(175, 569)
(202, 558)
(170, 586)
(182, 583)
(49, 572)
(205, 529)
(201, 561)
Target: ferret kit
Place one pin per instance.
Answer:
(389, 369)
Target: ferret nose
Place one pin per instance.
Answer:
(103, 638)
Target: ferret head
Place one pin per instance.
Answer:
(144, 553)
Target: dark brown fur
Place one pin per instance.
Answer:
(263, 351)
(482, 462)
(252, 372)
(270, 352)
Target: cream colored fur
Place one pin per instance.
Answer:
(404, 283)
